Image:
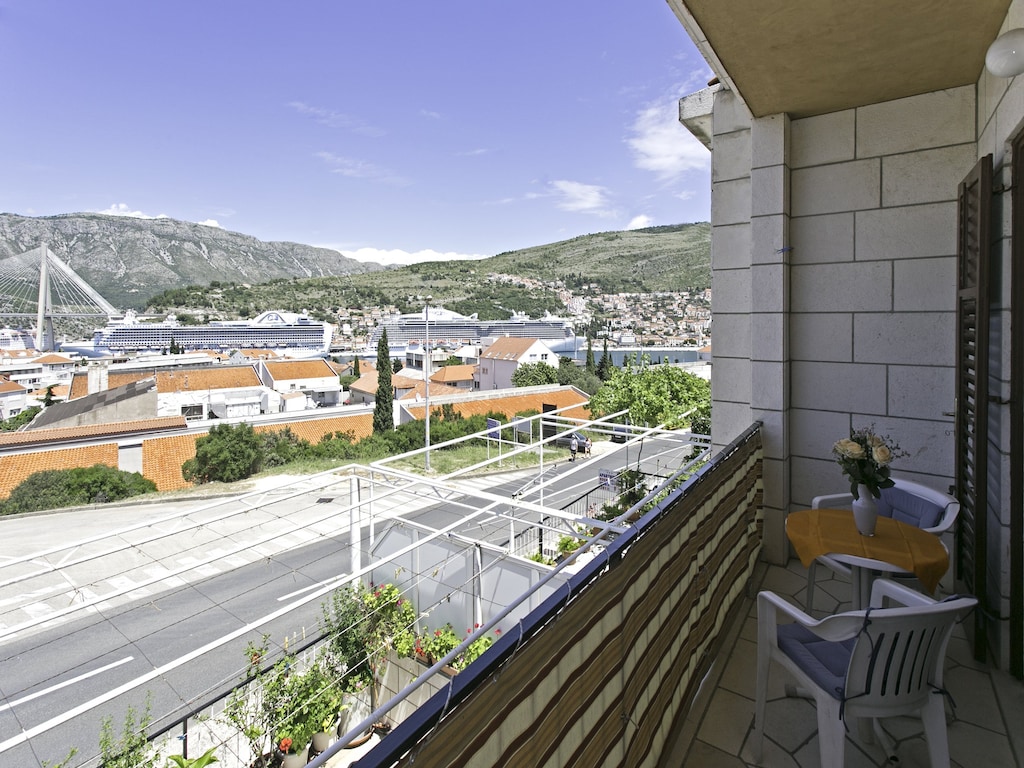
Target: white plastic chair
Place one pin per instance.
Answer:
(906, 501)
(881, 662)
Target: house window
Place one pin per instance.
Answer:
(192, 411)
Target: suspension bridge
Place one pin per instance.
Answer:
(38, 285)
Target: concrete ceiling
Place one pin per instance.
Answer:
(809, 57)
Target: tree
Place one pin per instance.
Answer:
(383, 411)
(591, 366)
(19, 420)
(533, 374)
(652, 394)
(570, 374)
(604, 368)
(226, 454)
(57, 488)
(48, 398)
(396, 365)
(355, 368)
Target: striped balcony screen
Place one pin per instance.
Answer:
(603, 672)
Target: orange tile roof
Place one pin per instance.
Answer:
(60, 391)
(198, 379)
(6, 385)
(454, 373)
(53, 360)
(34, 436)
(258, 354)
(508, 348)
(178, 380)
(513, 404)
(79, 386)
(300, 369)
(419, 390)
(368, 382)
(340, 369)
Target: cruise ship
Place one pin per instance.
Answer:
(16, 340)
(287, 332)
(451, 328)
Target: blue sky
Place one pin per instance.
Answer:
(392, 132)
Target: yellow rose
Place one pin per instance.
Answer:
(851, 449)
(875, 441)
(881, 454)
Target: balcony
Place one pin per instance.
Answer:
(983, 728)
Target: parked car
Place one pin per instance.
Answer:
(563, 441)
(620, 433)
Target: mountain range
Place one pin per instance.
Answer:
(130, 260)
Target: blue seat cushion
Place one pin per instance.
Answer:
(907, 508)
(823, 661)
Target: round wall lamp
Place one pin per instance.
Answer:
(1005, 57)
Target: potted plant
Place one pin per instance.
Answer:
(390, 619)
(347, 630)
(433, 646)
(475, 649)
(194, 762)
(321, 703)
(254, 706)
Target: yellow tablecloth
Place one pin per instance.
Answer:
(817, 532)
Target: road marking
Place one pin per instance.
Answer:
(65, 684)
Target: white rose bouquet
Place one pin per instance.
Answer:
(865, 458)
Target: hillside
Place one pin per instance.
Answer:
(672, 258)
(128, 260)
(165, 265)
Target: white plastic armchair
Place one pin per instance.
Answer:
(881, 662)
(907, 501)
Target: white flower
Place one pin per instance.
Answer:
(851, 449)
(881, 454)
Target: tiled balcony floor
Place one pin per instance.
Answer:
(986, 728)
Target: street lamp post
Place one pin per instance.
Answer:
(426, 379)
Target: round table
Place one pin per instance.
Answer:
(896, 548)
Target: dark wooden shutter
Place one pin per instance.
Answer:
(1017, 414)
(974, 235)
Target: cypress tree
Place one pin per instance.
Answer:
(383, 414)
(591, 367)
(604, 368)
(355, 367)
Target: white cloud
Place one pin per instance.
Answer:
(210, 223)
(581, 198)
(662, 145)
(333, 119)
(640, 222)
(121, 209)
(395, 256)
(360, 169)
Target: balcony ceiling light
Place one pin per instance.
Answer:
(1005, 57)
